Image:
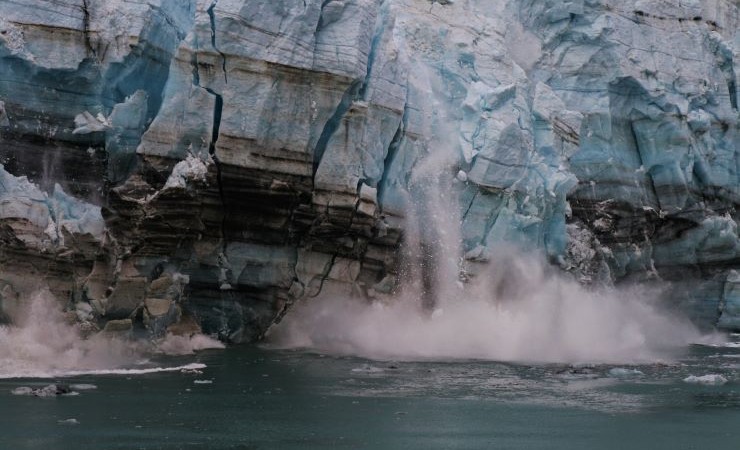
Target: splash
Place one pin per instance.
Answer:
(513, 309)
(542, 318)
(187, 345)
(44, 343)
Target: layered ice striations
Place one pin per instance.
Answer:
(257, 152)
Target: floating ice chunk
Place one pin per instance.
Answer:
(23, 390)
(202, 381)
(462, 176)
(51, 390)
(82, 387)
(367, 368)
(712, 379)
(46, 391)
(71, 421)
(621, 372)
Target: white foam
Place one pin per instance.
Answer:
(548, 320)
(123, 371)
(716, 341)
(202, 381)
(82, 387)
(729, 345)
(43, 342)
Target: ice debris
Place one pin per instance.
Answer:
(621, 372)
(190, 169)
(71, 421)
(82, 386)
(86, 123)
(51, 390)
(709, 379)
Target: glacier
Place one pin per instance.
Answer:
(203, 165)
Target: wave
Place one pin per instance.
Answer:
(123, 371)
(542, 318)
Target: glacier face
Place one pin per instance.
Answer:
(229, 157)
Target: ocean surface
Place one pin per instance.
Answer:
(251, 397)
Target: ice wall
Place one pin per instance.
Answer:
(247, 154)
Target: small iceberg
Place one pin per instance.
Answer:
(709, 379)
(71, 421)
(23, 390)
(366, 368)
(51, 390)
(721, 344)
(621, 372)
(82, 387)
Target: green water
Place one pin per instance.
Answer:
(268, 399)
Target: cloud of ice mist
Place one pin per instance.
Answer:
(514, 310)
(43, 342)
(517, 312)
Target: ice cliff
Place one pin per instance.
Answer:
(175, 164)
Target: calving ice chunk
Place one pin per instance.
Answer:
(41, 220)
(192, 168)
(87, 123)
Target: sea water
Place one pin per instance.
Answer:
(260, 398)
